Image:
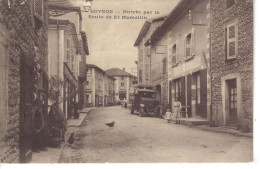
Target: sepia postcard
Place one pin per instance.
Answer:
(127, 81)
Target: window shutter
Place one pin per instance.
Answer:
(38, 9)
(203, 93)
(226, 43)
(193, 49)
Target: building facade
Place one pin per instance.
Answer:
(144, 51)
(122, 83)
(68, 49)
(64, 60)
(99, 87)
(232, 63)
(24, 81)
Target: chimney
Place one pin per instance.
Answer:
(124, 69)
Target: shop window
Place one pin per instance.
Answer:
(231, 41)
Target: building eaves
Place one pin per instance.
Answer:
(66, 9)
(96, 67)
(146, 27)
(173, 17)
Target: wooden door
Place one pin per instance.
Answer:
(232, 102)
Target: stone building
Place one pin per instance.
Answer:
(122, 84)
(232, 62)
(99, 87)
(24, 85)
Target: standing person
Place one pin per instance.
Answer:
(125, 104)
(168, 115)
(177, 111)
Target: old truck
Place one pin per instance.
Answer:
(143, 100)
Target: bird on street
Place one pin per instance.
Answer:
(111, 125)
(71, 139)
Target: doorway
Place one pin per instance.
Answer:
(232, 100)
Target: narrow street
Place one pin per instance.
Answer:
(148, 139)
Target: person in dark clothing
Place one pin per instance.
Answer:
(125, 104)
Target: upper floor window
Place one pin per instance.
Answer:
(174, 54)
(230, 3)
(122, 84)
(188, 45)
(122, 77)
(231, 41)
(164, 66)
(140, 75)
(140, 54)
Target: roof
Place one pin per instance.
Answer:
(118, 72)
(94, 66)
(179, 10)
(146, 27)
(98, 68)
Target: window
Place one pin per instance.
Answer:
(122, 84)
(164, 66)
(122, 77)
(231, 41)
(174, 54)
(141, 54)
(188, 46)
(87, 82)
(68, 50)
(229, 3)
(147, 71)
(140, 75)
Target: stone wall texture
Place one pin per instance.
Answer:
(241, 13)
(27, 37)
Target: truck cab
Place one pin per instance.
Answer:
(143, 100)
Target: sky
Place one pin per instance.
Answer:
(111, 41)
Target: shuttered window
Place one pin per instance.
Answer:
(38, 9)
(231, 41)
(140, 75)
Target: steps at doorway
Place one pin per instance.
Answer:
(194, 121)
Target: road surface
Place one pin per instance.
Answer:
(137, 139)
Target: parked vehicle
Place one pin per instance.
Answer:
(143, 100)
